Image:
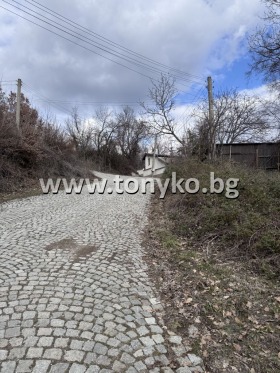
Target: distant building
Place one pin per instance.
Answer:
(154, 165)
(258, 155)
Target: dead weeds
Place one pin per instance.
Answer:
(228, 313)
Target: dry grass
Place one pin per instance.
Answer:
(218, 277)
(247, 228)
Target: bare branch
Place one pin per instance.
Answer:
(162, 94)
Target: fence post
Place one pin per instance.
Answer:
(257, 157)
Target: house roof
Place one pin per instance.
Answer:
(156, 155)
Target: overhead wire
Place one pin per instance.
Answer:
(100, 37)
(106, 40)
(82, 38)
(101, 103)
(60, 104)
(57, 103)
(47, 100)
(76, 102)
(198, 96)
(73, 42)
(98, 45)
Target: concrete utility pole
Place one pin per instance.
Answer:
(154, 156)
(19, 84)
(212, 133)
(171, 152)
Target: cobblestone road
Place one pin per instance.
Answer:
(74, 291)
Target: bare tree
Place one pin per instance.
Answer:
(103, 129)
(271, 111)
(264, 45)
(80, 132)
(160, 113)
(197, 140)
(164, 145)
(237, 117)
(129, 133)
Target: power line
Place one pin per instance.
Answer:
(105, 102)
(108, 41)
(137, 63)
(99, 45)
(45, 99)
(81, 37)
(58, 103)
(198, 96)
(73, 42)
(74, 103)
(90, 42)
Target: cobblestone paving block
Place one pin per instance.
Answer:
(8, 366)
(24, 366)
(75, 295)
(59, 368)
(42, 366)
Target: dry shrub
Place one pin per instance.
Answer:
(247, 228)
(41, 150)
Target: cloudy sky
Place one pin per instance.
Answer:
(116, 46)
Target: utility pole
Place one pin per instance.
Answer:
(19, 84)
(171, 152)
(154, 156)
(212, 133)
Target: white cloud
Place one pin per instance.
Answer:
(263, 92)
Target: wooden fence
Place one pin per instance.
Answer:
(258, 155)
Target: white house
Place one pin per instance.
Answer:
(154, 164)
